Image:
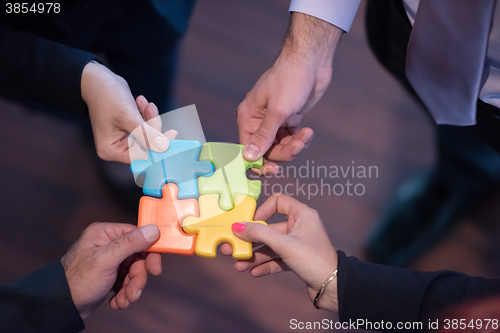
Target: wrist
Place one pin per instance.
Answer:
(310, 40)
(70, 278)
(328, 298)
(93, 75)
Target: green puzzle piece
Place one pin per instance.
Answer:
(229, 178)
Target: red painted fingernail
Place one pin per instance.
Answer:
(238, 227)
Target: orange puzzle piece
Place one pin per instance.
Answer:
(167, 214)
(214, 225)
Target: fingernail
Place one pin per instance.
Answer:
(296, 150)
(238, 227)
(150, 232)
(311, 136)
(241, 266)
(251, 152)
(257, 172)
(155, 108)
(138, 293)
(270, 169)
(127, 303)
(143, 99)
(171, 134)
(160, 144)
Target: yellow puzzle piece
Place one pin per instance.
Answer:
(214, 225)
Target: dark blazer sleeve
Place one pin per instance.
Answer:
(42, 71)
(40, 302)
(375, 292)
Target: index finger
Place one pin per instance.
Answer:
(277, 203)
(291, 145)
(227, 249)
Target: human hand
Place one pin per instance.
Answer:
(108, 256)
(137, 137)
(270, 115)
(114, 114)
(300, 245)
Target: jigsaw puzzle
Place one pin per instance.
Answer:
(178, 164)
(229, 178)
(171, 184)
(167, 213)
(214, 225)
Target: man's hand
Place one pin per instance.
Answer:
(269, 117)
(114, 114)
(108, 256)
(300, 244)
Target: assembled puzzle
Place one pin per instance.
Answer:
(194, 194)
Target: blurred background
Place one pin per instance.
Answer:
(51, 191)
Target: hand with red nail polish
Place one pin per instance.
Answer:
(108, 256)
(238, 227)
(300, 245)
(114, 114)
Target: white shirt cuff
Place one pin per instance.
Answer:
(337, 12)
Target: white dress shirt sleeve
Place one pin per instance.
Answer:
(337, 12)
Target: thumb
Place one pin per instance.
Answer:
(146, 135)
(156, 140)
(131, 242)
(263, 138)
(256, 232)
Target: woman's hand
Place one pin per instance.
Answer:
(139, 139)
(301, 245)
(114, 114)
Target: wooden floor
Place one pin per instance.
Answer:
(50, 189)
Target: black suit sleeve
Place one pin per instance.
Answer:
(38, 70)
(40, 302)
(375, 292)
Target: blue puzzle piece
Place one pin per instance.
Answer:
(179, 165)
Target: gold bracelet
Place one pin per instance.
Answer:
(323, 287)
